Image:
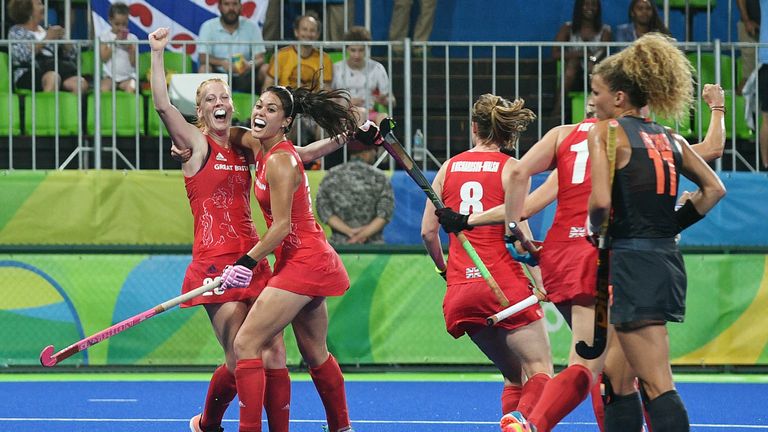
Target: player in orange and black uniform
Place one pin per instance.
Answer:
(470, 182)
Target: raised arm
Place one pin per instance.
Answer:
(714, 142)
(182, 133)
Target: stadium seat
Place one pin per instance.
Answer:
(45, 114)
(742, 130)
(174, 63)
(5, 114)
(706, 73)
(578, 106)
(243, 104)
(5, 80)
(683, 127)
(126, 119)
(87, 62)
(154, 125)
(336, 56)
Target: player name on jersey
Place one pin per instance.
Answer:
(475, 166)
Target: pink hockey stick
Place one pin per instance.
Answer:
(49, 359)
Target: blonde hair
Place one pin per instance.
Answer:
(200, 92)
(653, 72)
(500, 120)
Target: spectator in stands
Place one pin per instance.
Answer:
(334, 11)
(39, 59)
(643, 18)
(301, 59)
(749, 31)
(237, 48)
(302, 65)
(119, 60)
(365, 79)
(337, 26)
(586, 26)
(355, 199)
(401, 21)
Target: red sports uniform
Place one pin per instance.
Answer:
(472, 184)
(305, 263)
(220, 202)
(567, 260)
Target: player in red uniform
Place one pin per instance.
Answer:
(217, 178)
(470, 182)
(566, 276)
(306, 268)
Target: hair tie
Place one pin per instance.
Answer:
(289, 95)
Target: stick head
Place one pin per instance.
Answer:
(386, 126)
(46, 357)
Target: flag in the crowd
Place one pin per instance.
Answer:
(183, 17)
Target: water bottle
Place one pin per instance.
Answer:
(419, 150)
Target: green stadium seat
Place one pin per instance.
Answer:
(155, 126)
(10, 120)
(336, 56)
(742, 130)
(174, 63)
(243, 104)
(578, 106)
(5, 77)
(706, 74)
(683, 127)
(45, 114)
(126, 119)
(87, 59)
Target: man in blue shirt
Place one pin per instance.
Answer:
(236, 48)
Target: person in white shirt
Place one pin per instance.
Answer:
(119, 60)
(365, 79)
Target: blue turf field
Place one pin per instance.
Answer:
(375, 406)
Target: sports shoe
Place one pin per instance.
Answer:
(194, 425)
(515, 422)
(325, 429)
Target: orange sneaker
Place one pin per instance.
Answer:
(515, 422)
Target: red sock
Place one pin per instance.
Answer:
(221, 391)
(329, 383)
(250, 380)
(597, 402)
(562, 394)
(510, 397)
(532, 392)
(277, 399)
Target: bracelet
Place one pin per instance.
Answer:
(720, 108)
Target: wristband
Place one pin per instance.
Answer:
(687, 215)
(246, 261)
(720, 108)
(442, 273)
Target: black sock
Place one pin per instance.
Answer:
(624, 414)
(668, 414)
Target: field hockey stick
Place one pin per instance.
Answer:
(603, 267)
(524, 240)
(49, 359)
(512, 310)
(394, 148)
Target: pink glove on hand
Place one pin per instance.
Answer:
(236, 276)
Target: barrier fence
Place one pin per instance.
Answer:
(433, 85)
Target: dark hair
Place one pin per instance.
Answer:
(597, 22)
(657, 25)
(20, 11)
(357, 34)
(322, 105)
(118, 9)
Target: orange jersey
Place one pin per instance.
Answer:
(305, 263)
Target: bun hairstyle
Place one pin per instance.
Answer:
(654, 72)
(500, 120)
(323, 106)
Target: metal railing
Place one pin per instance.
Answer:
(434, 84)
